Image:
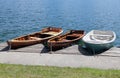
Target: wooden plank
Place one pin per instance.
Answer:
(38, 48)
(75, 49)
(80, 51)
(114, 51)
(69, 50)
(3, 44)
(110, 55)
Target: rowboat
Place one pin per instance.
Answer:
(99, 40)
(65, 40)
(34, 38)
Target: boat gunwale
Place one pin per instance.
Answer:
(41, 32)
(98, 41)
(66, 41)
(27, 42)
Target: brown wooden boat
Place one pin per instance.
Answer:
(65, 40)
(34, 38)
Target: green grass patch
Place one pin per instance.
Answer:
(25, 71)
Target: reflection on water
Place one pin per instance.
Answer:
(18, 17)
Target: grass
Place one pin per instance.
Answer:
(24, 71)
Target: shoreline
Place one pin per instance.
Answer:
(68, 57)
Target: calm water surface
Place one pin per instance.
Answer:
(18, 17)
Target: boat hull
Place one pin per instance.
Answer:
(65, 40)
(34, 38)
(98, 47)
(15, 45)
(60, 45)
(99, 40)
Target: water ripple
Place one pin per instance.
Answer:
(23, 16)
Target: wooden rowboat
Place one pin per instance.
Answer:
(34, 38)
(65, 40)
(98, 40)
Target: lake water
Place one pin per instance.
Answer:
(19, 17)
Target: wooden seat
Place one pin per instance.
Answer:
(35, 38)
(101, 37)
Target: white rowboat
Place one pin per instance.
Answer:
(97, 40)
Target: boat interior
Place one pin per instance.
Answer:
(51, 29)
(102, 35)
(36, 36)
(68, 36)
